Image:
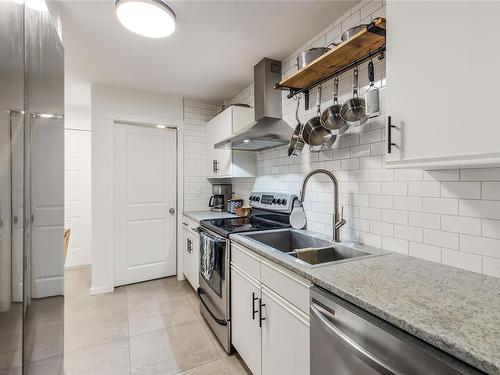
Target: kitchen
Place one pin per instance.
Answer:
(249, 231)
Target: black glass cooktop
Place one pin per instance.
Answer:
(225, 227)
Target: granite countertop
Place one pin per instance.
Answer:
(205, 215)
(457, 311)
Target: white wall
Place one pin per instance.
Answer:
(77, 181)
(110, 104)
(449, 216)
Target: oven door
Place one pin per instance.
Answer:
(214, 274)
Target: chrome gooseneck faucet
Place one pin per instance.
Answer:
(338, 219)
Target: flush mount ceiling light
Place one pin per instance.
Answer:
(150, 18)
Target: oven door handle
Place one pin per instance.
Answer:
(221, 322)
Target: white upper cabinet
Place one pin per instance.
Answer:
(442, 75)
(229, 163)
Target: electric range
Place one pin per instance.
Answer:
(269, 211)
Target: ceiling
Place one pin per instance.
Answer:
(210, 55)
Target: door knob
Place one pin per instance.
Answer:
(172, 211)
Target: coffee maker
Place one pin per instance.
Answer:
(220, 195)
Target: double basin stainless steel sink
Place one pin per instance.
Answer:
(320, 252)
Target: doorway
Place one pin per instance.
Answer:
(145, 201)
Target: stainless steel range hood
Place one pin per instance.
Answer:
(269, 129)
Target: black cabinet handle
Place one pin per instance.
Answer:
(253, 305)
(261, 305)
(389, 135)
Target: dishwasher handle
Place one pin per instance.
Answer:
(321, 314)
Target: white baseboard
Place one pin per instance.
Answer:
(101, 290)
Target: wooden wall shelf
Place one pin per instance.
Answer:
(364, 45)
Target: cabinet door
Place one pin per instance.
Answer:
(242, 118)
(246, 333)
(285, 337)
(219, 160)
(442, 71)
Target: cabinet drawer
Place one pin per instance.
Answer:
(190, 225)
(245, 260)
(289, 286)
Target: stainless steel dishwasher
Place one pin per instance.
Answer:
(346, 340)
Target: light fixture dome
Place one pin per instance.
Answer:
(149, 18)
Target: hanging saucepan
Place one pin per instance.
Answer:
(296, 143)
(314, 134)
(330, 118)
(354, 110)
(311, 54)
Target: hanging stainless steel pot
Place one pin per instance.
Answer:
(314, 134)
(354, 110)
(296, 143)
(330, 118)
(309, 55)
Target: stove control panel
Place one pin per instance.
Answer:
(272, 201)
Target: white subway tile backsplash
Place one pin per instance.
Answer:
(406, 232)
(461, 224)
(465, 190)
(440, 238)
(395, 188)
(462, 260)
(459, 210)
(395, 244)
(480, 245)
(491, 266)
(442, 175)
(395, 216)
(381, 201)
(440, 206)
(491, 190)
(485, 174)
(491, 228)
(408, 203)
(423, 220)
(424, 189)
(427, 252)
(480, 208)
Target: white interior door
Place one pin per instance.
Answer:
(47, 207)
(145, 181)
(77, 195)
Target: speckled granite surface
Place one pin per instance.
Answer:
(205, 215)
(457, 311)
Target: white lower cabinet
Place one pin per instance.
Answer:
(285, 337)
(269, 331)
(246, 334)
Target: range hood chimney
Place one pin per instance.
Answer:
(268, 129)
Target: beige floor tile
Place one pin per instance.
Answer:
(49, 366)
(156, 290)
(213, 368)
(10, 359)
(158, 315)
(44, 341)
(77, 273)
(94, 329)
(171, 350)
(107, 302)
(235, 366)
(107, 359)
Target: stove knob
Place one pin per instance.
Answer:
(283, 202)
(278, 201)
(257, 199)
(274, 201)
